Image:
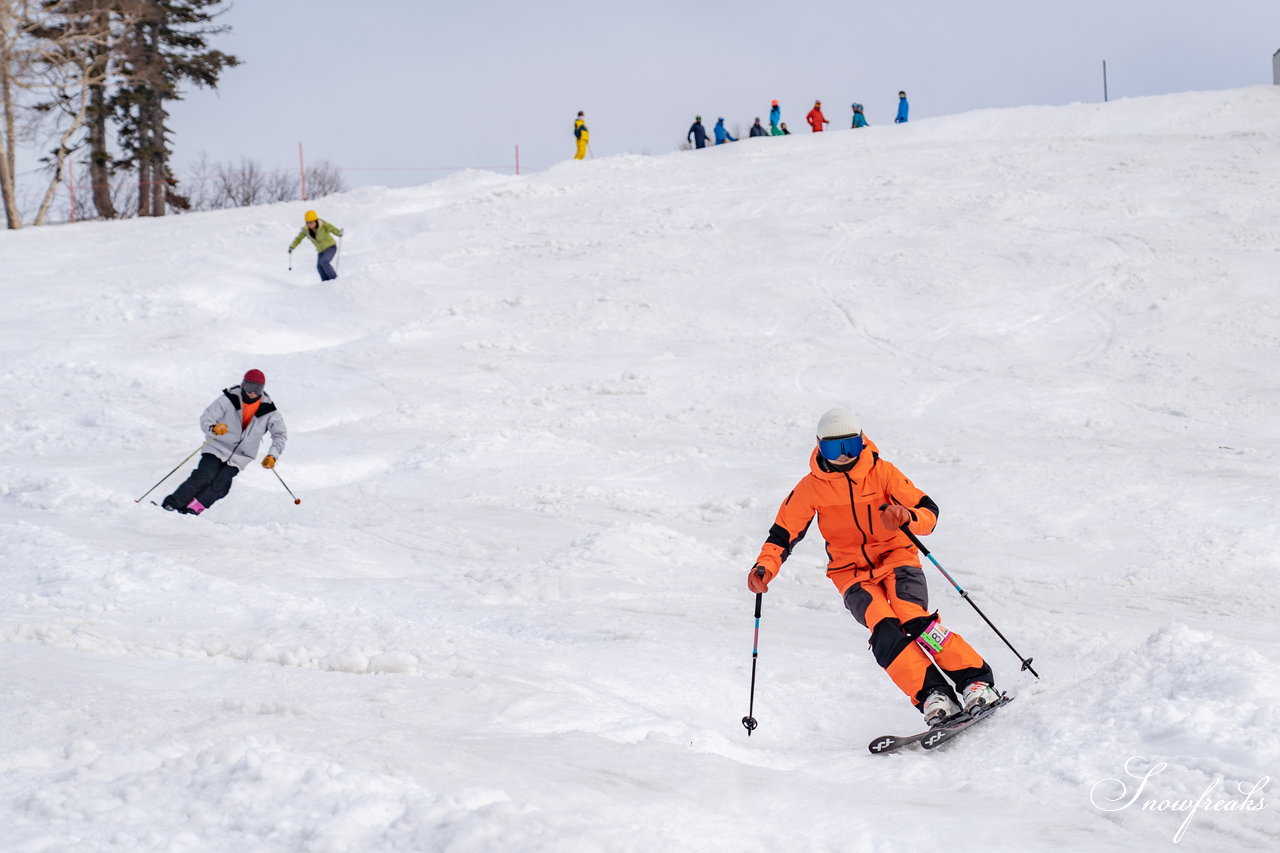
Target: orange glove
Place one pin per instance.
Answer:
(268, 462)
(218, 429)
(758, 578)
(895, 516)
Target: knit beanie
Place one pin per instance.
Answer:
(838, 422)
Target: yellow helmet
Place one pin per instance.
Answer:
(310, 216)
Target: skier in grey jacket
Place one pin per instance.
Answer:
(235, 423)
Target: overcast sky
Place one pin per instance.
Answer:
(393, 90)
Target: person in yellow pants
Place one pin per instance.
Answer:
(580, 133)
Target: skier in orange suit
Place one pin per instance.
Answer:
(862, 501)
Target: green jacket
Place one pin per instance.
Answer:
(323, 238)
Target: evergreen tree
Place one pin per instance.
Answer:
(163, 45)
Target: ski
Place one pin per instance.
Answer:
(937, 735)
(893, 743)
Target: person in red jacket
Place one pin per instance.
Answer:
(862, 503)
(815, 117)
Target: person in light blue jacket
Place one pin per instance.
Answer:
(722, 133)
(902, 109)
(859, 120)
(775, 116)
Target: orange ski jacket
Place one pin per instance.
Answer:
(847, 505)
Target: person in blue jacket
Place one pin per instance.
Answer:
(722, 133)
(775, 116)
(902, 109)
(697, 133)
(859, 120)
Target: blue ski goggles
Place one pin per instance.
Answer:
(833, 448)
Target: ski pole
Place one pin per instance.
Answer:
(175, 468)
(915, 540)
(338, 254)
(749, 722)
(296, 499)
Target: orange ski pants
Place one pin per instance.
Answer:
(894, 605)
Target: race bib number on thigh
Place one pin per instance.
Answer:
(933, 637)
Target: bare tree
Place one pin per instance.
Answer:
(110, 21)
(16, 59)
(52, 67)
(120, 192)
(201, 183)
(323, 178)
(220, 185)
(240, 185)
(71, 37)
(282, 185)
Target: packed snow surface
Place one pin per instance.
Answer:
(540, 426)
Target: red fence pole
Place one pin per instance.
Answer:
(302, 172)
(517, 159)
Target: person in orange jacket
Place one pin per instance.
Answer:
(815, 117)
(862, 501)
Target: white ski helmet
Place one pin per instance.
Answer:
(837, 423)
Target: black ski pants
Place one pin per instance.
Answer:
(208, 484)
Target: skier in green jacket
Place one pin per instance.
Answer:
(321, 235)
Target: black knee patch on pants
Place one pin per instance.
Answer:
(910, 584)
(856, 601)
(888, 641)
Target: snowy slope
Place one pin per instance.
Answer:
(540, 427)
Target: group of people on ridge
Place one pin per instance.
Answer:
(698, 133)
(777, 127)
(817, 123)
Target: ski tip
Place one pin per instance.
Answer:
(881, 744)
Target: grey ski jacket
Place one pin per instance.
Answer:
(239, 446)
